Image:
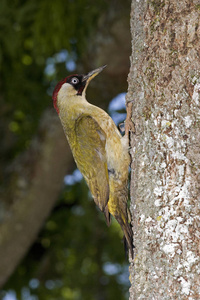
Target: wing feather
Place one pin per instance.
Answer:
(90, 156)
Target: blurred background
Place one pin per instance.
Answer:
(54, 242)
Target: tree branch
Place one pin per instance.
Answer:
(37, 188)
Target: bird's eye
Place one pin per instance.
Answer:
(74, 80)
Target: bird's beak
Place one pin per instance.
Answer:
(92, 74)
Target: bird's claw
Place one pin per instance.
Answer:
(129, 125)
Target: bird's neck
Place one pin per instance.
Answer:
(70, 107)
(69, 101)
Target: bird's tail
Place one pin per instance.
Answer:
(117, 206)
(107, 215)
(128, 238)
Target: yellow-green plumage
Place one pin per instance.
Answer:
(100, 152)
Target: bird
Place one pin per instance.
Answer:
(100, 151)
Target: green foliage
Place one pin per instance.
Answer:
(76, 255)
(70, 257)
(31, 31)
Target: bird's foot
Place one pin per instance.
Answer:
(129, 125)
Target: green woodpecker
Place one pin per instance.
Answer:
(100, 152)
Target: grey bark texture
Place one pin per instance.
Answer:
(164, 85)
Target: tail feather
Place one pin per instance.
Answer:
(107, 215)
(128, 238)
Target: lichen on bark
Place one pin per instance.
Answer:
(164, 85)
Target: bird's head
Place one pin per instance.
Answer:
(73, 85)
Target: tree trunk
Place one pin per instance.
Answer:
(164, 85)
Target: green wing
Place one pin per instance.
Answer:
(90, 156)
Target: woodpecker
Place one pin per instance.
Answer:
(99, 150)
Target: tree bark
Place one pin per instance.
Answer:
(164, 85)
